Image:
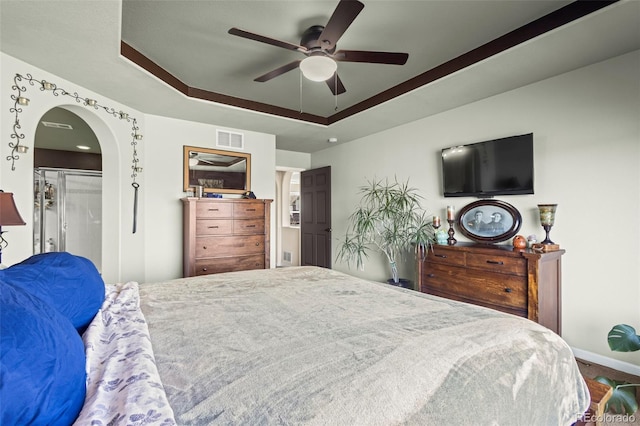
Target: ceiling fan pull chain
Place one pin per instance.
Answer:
(300, 92)
(335, 94)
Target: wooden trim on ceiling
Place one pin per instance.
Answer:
(549, 22)
(255, 106)
(142, 61)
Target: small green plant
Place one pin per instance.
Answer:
(622, 338)
(389, 219)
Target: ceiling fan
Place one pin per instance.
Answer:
(194, 160)
(215, 160)
(318, 43)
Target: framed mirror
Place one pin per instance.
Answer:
(218, 171)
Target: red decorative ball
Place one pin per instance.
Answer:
(519, 242)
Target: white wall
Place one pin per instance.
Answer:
(163, 167)
(154, 252)
(587, 159)
(115, 139)
(293, 160)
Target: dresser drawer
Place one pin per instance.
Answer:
(213, 210)
(214, 227)
(502, 264)
(442, 255)
(229, 264)
(504, 292)
(229, 246)
(223, 235)
(519, 282)
(248, 226)
(248, 210)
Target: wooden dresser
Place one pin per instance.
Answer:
(519, 282)
(224, 235)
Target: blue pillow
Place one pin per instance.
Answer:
(69, 283)
(42, 363)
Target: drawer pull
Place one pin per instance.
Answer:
(507, 290)
(251, 210)
(213, 210)
(444, 256)
(257, 244)
(495, 262)
(213, 227)
(431, 275)
(204, 269)
(204, 247)
(250, 226)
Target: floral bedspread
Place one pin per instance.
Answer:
(123, 385)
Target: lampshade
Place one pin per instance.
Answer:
(318, 68)
(8, 211)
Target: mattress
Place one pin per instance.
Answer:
(313, 346)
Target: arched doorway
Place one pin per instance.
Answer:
(67, 186)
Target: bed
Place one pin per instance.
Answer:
(313, 346)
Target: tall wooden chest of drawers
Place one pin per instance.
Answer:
(519, 282)
(225, 235)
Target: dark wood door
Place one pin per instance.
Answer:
(315, 217)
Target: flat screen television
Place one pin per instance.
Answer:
(486, 169)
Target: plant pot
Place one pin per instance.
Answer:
(403, 282)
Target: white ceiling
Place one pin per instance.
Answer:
(80, 41)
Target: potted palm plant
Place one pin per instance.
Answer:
(622, 338)
(388, 219)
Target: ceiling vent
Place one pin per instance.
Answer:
(228, 139)
(57, 125)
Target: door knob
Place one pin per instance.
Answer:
(327, 230)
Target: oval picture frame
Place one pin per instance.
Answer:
(489, 221)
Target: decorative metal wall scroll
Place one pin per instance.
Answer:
(20, 100)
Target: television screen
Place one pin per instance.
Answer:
(485, 169)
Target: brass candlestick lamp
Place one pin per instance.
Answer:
(451, 216)
(547, 218)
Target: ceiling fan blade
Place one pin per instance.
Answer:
(342, 17)
(335, 85)
(278, 71)
(268, 40)
(392, 58)
(202, 160)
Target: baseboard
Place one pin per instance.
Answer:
(624, 366)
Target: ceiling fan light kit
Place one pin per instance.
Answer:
(318, 44)
(318, 68)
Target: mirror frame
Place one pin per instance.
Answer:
(243, 155)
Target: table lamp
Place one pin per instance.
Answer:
(9, 216)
